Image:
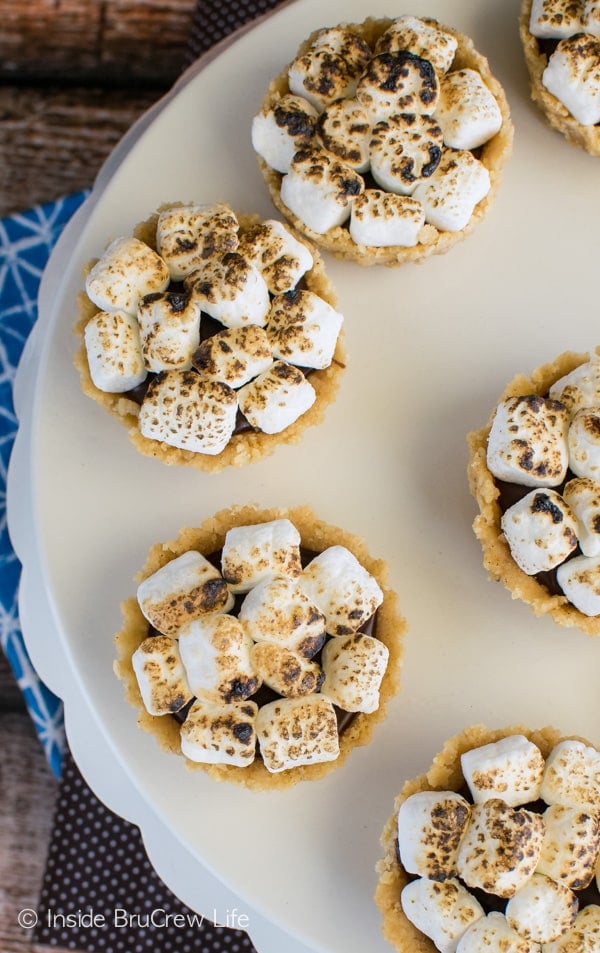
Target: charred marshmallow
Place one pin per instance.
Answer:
(345, 130)
(276, 398)
(584, 444)
(160, 675)
(128, 270)
(511, 769)
(590, 17)
(528, 441)
(278, 133)
(398, 82)
(330, 68)
(215, 652)
(572, 776)
(354, 666)
(297, 731)
(493, 934)
(189, 234)
(580, 388)
(405, 149)
(431, 825)
(319, 189)
(169, 329)
(183, 410)
(234, 356)
(542, 909)
(186, 588)
(579, 579)
(442, 911)
(467, 111)
(422, 37)
(278, 611)
(573, 76)
(583, 497)
(260, 552)
(381, 219)
(220, 734)
(450, 195)
(114, 351)
(231, 290)
(571, 845)
(342, 589)
(285, 672)
(583, 936)
(303, 329)
(540, 530)
(281, 258)
(554, 19)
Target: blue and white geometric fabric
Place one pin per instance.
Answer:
(26, 240)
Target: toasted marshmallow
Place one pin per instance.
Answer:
(450, 195)
(404, 149)
(493, 934)
(319, 189)
(399, 82)
(584, 443)
(277, 611)
(442, 911)
(128, 270)
(580, 388)
(342, 589)
(354, 667)
(220, 734)
(431, 825)
(303, 329)
(330, 69)
(276, 398)
(571, 845)
(279, 132)
(590, 17)
(216, 655)
(583, 497)
(259, 552)
(542, 909)
(160, 675)
(169, 330)
(184, 589)
(511, 769)
(467, 111)
(281, 258)
(573, 76)
(234, 356)
(422, 37)
(583, 937)
(540, 530)
(554, 19)
(231, 290)
(189, 234)
(381, 219)
(345, 130)
(579, 579)
(287, 673)
(528, 441)
(501, 847)
(183, 410)
(114, 351)
(572, 776)
(296, 731)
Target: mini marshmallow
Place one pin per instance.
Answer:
(571, 845)
(579, 579)
(405, 149)
(467, 111)
(354, 667)
(128, 270)
(493, 934)
(572, 776)
(189, 234)
(276, 610)
(183, 410)
(114, 351)
(590, 17)
(278, 133)
(260, 552)
(231, 290)
(319, 189)
(169, 330)
(342, 589)
(281, 259)
(422, 37)
(330, 68)
(297, 731)
(573, 76)
(450, 195)
(580, 388)
(185, 588)
(303, 329)
(160, 675)
(501, 848)
(234, 356)
(431, 825)
(511, 769)
(276, 398)
(220, 734)
(583, 497)
(528, 441)
(215, 652)
(442, 911)
(584, 443)
(583, 937)
(398, 82)
(540, 530)
(541, 910)
(287, 673)
(380, 219)
(345, 130)
(554, 19)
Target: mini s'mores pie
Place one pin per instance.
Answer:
(211, 337)
(230, 662)
(367, 112)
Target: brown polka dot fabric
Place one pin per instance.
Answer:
(100, 892)
(215, 19)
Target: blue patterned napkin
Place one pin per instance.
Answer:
(26, 240)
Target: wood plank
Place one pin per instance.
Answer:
(11, 698)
